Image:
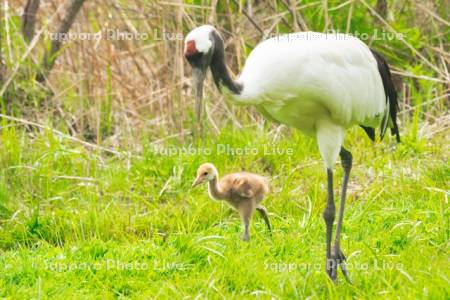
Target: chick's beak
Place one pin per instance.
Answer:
(197, 181)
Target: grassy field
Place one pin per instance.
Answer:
(78, 223)
(97, 158)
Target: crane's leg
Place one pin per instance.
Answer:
(337, 255)
(329, 139)
(262, 210)
(329, 215)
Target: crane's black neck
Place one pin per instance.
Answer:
(219, 69)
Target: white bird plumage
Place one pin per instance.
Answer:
(199, 36)
(336, 70)
(318, 83)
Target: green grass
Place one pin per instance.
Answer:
(84, 224)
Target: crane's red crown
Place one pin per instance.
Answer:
(190, 48)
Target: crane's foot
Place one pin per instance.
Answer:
(337, 259)
(245, 237)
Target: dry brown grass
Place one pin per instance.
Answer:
(148, 81)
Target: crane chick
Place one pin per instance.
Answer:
(243, 191)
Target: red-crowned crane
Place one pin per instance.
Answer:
(321, 84)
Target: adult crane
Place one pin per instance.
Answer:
(321, 84)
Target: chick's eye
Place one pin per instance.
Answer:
(206, 173)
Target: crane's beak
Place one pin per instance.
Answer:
(196, 182)
(198, 79)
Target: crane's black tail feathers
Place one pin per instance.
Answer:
(369, 131)
(390, 119)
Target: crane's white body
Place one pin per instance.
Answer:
(307, 75)
(318, 83)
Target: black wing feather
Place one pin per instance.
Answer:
(391, 93)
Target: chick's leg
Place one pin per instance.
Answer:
(263, 211)
(246, 211)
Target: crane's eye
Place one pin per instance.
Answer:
(194, 58)
(206, 173)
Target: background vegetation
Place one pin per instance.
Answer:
(84, 193)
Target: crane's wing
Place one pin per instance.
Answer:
(337, 71)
